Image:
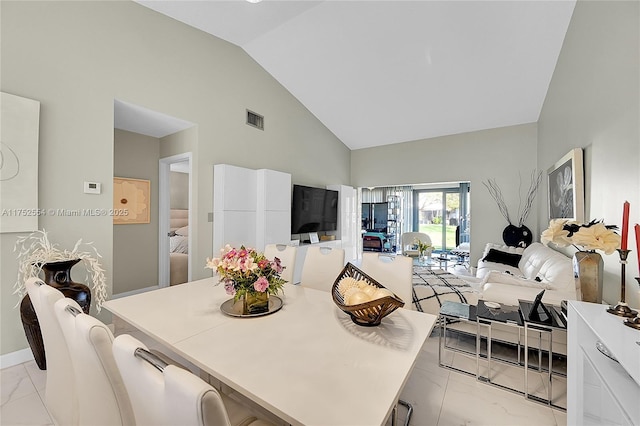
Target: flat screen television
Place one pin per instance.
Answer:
(313, 209)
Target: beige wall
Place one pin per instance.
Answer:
(135, 246)
(505, 154)
(593, 103)
(77, 57)
(179, 190)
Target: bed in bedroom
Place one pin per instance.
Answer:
(178, 246)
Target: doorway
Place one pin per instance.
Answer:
(146, 136)
(443, 214)
(175, 216)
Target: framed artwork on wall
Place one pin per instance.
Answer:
(131, 201)
(566, 187)
(20, 118)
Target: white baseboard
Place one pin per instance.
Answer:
(15, 358)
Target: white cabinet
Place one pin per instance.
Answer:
(234, 206)
(250, 207)
(273, 210)
(599, 389)
(234, 188)
(274, 190)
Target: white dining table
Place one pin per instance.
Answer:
(307, 363)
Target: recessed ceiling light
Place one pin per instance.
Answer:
(254, 1)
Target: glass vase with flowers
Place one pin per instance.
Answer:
(248, 276)
(588, 265)
(424, 249)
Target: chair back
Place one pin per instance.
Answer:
(287, 256)
(164, 394)
(321, 267)
(101, 394)
(60, 392)
(408, 242)
(393, 272)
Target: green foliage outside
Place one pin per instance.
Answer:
(435, 232)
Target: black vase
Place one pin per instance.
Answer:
(58, 276)
(517, 236)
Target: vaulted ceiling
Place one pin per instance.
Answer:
(383, 72)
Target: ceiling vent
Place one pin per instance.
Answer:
(255, 120)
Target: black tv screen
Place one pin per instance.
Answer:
(313, 209)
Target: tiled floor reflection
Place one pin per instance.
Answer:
(23, 395)
(439, 396)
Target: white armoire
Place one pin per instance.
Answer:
(250, 207)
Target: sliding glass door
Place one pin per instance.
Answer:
(443, 214)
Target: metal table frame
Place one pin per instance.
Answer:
(548, 331)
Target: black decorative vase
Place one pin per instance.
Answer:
(58, 276)
(517, 236)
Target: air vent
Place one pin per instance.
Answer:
(255, 120)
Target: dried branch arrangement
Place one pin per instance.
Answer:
(35, 249)
(523, 212)
(496, 194)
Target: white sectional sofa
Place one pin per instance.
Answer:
(507, 274)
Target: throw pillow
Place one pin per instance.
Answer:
(184, 231)
(497, 256)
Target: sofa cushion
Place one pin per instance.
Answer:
(498, 256)
(484, 267)
(509, 278)
(533, 258)
(510, 294)
(501, 247)
(557, 272)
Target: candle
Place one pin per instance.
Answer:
(638, 244)
(625, 225)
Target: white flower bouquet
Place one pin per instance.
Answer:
(591, 236)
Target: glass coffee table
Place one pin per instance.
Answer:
(455, 312)
(481, 318)
(556, 322)
(488, 315)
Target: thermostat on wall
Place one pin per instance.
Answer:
(92, 187)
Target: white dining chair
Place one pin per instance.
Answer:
(60, 392)
(321, 267)
(396, 274)
(101, 395)
(287, 256)
(393, 272)
(164, 394)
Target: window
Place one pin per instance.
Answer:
(443, 214)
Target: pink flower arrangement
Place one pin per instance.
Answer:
(245, 271)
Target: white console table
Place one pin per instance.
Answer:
(599, 389)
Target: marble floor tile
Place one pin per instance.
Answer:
(487, 405)
(38, 377)
(425, 390)
(16, 384)
(28, 410)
